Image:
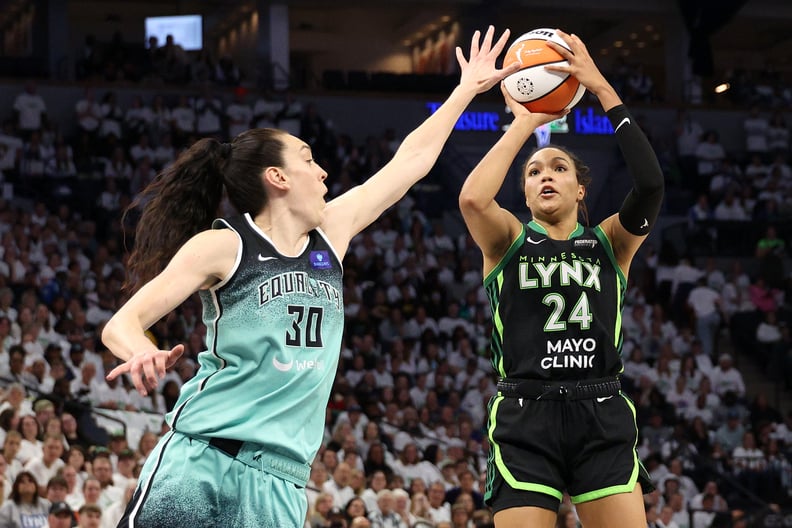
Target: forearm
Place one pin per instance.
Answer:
(421, 148)
(486, 179)
(640, 209)
(125, 337)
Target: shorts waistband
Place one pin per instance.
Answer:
(532, 389)
(260, 458)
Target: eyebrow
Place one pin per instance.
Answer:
(551, 160)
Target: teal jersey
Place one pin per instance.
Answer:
(556, 306)
(274, 330)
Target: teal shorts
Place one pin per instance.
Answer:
(186, 482)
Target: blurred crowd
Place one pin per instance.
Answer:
(405, 442)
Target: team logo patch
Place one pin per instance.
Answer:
(589, 243)
(320, 260)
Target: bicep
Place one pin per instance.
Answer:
(203, 261)
(493, 229)
(349, 214)
(625, 244)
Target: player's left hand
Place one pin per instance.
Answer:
(480, 71)
(581, 65)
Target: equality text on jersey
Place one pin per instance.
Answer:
(298, 282)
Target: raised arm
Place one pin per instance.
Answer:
(628, 228)
(353, 211)
(492, 227)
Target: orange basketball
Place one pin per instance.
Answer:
(540, 90)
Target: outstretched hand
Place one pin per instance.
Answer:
(480, 71)
(148, 368)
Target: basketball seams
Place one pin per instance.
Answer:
(552, 92)
(532, 85)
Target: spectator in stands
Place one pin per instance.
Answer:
(338, 485)
(688, 134)
(750, 464)
(137, 119)
(719, 504)
(756, 171)
(90, 516)
(113, 513)
(183, 116)
(726, 378)
(33, 161)
(60, 515)
(24, 507)
(112, 117)
(226, 71)
(666, 518)
(705, 303)
(289, 117)
(89, 113)
(30, 446)
(778, 134)
(439, 508)
(385, 516)
(46, 466)
(11, 446)
(174, 60)
(209, 112)
(730, 209)
(103, 471)
(467, 483)
(354, 508)
(709, 153)
(161, 122)
(770, 250)
(730, 435)
(318, 516)
(756, 127)
(31, 110)
(57, 488)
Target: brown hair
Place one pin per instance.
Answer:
(184, 198)
(581, 170)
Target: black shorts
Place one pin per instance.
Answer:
(541, 449)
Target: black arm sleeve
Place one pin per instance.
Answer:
(639, 211)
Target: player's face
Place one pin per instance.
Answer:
(306, 177)
(551, 186)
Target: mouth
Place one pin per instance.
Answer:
(547, 190)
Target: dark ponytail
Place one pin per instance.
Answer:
(184, 198)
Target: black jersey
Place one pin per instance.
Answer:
(556, 307)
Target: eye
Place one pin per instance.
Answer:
(560, 168)
(533, 172)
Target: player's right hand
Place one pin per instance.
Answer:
(148, 368)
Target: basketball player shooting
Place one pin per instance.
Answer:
(559, 422)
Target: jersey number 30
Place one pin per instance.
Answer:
(306, 327)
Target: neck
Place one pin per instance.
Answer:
(288, 237)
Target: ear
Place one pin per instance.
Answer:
(581, 192)
(276, 177)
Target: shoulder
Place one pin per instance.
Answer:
(213, 242)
